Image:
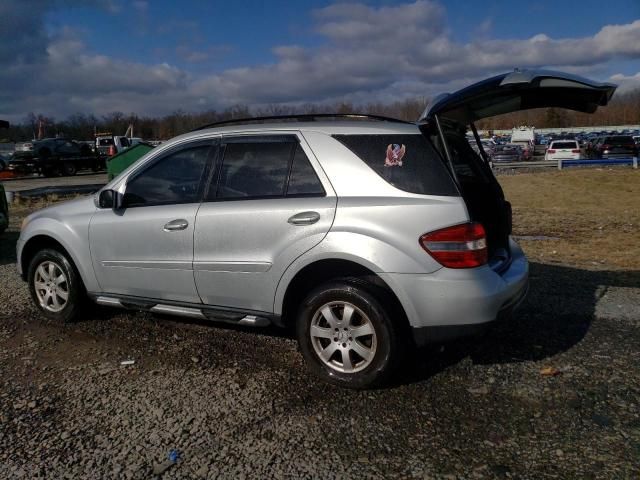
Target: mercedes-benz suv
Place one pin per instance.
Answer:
(366, 234)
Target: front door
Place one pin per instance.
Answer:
(145, 248)
(267, 207)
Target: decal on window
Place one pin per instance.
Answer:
(395, 153)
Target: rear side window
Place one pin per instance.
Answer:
(303, 180)
(264, 167)
(407, 161)
(255, 168)
(559, 145)
(619, 139)
(105, 142)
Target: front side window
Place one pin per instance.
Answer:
(174, 179)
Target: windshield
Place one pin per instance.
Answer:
(564, 145)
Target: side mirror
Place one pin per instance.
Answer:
(108, 199)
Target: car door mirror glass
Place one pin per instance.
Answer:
(108, 199)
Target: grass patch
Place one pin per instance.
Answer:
(593, 212)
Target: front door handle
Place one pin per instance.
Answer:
(304, 218)
(174, 225)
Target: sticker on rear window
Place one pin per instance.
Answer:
(395, 153)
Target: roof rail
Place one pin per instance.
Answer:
(312, 117)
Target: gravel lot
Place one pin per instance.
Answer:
(238, 403)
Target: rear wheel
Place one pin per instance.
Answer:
(55, 286)
(69, 169)
(347, 335)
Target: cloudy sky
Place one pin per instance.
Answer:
(152, 57)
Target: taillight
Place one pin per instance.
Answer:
(575, 151)
(460, 246)
(605, 147)
(551, 150)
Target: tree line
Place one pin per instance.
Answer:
(623, 109)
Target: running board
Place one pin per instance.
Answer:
(191, 312)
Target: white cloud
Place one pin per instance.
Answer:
(368, 54)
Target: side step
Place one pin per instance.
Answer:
(191, 312)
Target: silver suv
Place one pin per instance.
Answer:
(366, 234)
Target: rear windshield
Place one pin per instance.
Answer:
(408, 162)
(105, 142)
(619, 139)
(564, 145)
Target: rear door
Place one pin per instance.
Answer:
(270, 202)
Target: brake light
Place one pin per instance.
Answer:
(551, 150)
(575, 151)
(460, 246)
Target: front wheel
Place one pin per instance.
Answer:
(69, 169)
(347, 336)
(55, 286)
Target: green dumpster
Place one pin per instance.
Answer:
(118, 163)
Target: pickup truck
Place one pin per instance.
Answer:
(105, 142)
(52, 156)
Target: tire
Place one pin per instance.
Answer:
(69, 169)
(48, 291)
(350, 360)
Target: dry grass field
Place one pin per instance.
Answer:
(592, 216)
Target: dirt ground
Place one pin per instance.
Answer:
(552, 393)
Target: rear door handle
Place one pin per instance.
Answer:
(304, 218)
(174, 225)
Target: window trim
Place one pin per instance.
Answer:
(255, 138)
(212, 143)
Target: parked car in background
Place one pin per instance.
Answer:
(563, 149)
(51, 147)
(54, 156)
(507, 153)
(614, 146)
(367, 235)
(106, 143)
(636, 139)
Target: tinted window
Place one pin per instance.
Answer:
(255, 168)
(619, 139)
(105, 142)
(303, 180)
(564, 145)
(408, 162)
(172, 180)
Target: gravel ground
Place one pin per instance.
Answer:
(238, 403)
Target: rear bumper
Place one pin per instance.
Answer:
(449, 304)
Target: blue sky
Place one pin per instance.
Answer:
(246, 31)
(156, 56)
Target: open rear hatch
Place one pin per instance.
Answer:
(446, 118)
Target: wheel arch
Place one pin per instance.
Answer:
(41, 241)
(324, 270)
